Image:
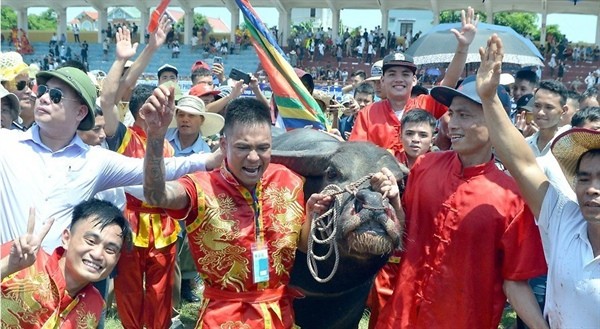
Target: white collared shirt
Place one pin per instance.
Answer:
(573, 288)
(31, 175)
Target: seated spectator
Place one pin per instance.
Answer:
(175, 50)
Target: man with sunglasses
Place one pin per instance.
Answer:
(14, 75)
(51, 168)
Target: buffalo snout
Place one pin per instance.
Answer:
(368, 199)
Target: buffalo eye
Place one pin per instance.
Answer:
(331, 174)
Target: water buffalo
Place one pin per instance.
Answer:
(366, 231)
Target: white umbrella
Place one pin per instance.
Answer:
(439, 45)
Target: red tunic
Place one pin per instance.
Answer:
(36, 297)
(150, 225)
(143, 286)
(465, 237)
(222, 227)
(378, 124)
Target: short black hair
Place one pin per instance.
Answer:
(590, 92)
(555, 87)
(200, 72)
(365, 88)
(590, 113)
(418, 115)
(139, 95)
(98, 111)
(103, 213)
(245, 111)
(527, 75)
(360, 73)
(419, 90)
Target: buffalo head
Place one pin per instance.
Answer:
(367, 229)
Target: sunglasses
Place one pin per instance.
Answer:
(56, 95)
(23, 83)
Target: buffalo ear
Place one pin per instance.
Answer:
(305, 163)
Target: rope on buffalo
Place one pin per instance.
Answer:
(323, 229)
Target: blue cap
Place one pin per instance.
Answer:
(468, 90)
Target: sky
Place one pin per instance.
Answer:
(577, 28)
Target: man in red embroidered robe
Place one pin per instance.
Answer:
(40, 290)
(244, 220)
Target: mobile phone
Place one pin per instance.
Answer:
(237, 75)
(528, 117)
(218, 59)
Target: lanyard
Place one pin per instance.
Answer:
(254, 200)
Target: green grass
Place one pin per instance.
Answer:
(189, 313)
(188, 316)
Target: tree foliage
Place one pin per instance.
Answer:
(44, 21)
(552, 32)
(522, 23)
(8, 18)
(199, 20)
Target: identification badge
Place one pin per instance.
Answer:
(260, 263)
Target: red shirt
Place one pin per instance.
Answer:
(378, 124)
(222, 223)
(37, 295)
(468, 231)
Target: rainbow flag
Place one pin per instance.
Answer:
(296, 105)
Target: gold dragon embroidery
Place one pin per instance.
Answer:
(85, 319)
(214, 238)
(234, 325)
(19, 301)
(286, 220)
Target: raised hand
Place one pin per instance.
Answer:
(527, 129)
(469, 27)
(159, 37)
(158, 110)
(219, 70)
(488, 75)
(24, 249)
(318, 203)
(238, 89)
(124, 49)
(352, 108)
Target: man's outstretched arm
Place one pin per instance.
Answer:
(158, 112)
(464, 37)
(509, 144)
